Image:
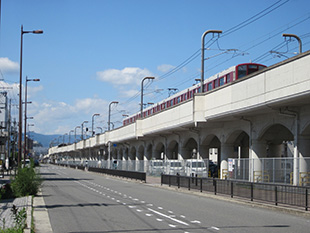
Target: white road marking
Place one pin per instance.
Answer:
(159, 219)
(160, 208)
(195, 221)
(149, 215)
(215, 228)
(130, 206)
(173, 219)
(170, 225)
(182, 216)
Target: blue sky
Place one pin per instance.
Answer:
(98, 51)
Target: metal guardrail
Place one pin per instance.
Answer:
(127, 174)
(294, 196)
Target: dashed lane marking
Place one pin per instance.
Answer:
(166, 216)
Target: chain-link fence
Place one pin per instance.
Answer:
(270, 170)
(263, 170)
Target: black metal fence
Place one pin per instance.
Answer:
(294, 196)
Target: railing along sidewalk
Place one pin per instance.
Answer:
(294, 196)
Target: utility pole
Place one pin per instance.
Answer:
(9, 136)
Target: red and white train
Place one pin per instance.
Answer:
(227, 76)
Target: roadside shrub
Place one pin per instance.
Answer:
(6, 192)
(26, 182)
(20, 217)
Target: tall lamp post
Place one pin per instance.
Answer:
(71, 131)
(82, 133)
(203, 55)
(63, 138)
(142, 93)
(25, 124)
(92, 123)
(75, 133)
(20, 124)
(109, 122)
(101, 130)
(297, 38)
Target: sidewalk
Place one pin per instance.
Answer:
(6, 216)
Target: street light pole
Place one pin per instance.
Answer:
(297, 38)
(20, 124)
(82, 133)
(63, 138)
(70, 135)
(92, 123)
(203, 55)
(142, 93)
(109, 117)
(75, 133)
(100, 129)
(25, 128)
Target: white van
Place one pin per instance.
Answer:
(174, 167)
(196, 167)
(157, 167)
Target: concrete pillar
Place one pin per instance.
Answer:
(304, 158)
(179, 151)
(227, 151)
(259, 150)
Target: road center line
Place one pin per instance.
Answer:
(173, 219)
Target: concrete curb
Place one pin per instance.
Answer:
(40, 215)
(29, 215)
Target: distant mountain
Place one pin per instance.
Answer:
(45, 140)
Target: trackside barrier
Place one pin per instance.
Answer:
(128, 174)
(294, 196)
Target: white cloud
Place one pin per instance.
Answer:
(165, 67)
(129, 93)
(128, 75)
(8, 66)
(64, 117)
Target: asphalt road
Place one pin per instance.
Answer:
(79, 201)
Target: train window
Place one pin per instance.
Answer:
(241, 71)
(216, 83)
(252, 69)
(222, 81)
(209, 86)
(227, 78)
(261, 67)
(252, 66)
(179, 99)
(199, 90)
(171, 102)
